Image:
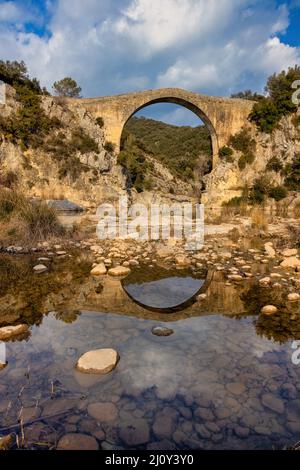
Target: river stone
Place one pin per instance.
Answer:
(293, 297)
(77, 441)
(8, 332)
(182, 260)
(6, 441)
(119, 271)
(163, 426)
(289, 252)
(64, 205)
(269, 310)
(273, 403)
(290, 262)
(134, 432)
(99, 361)
(99, 270)
(269, 249)
(103, 412)
(236, 388)
(162, 331)
(40, 268)
(235, 277)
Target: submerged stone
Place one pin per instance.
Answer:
(77, 441)
(162, 331)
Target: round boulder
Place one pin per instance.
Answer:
(99, 361)
(269, 310)
(119, 271)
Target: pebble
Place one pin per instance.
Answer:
(119, 271)
(40, 268)
(8, 332)
(269, 310)
(162, 331)
(77, 441)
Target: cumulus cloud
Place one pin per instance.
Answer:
(213, 47)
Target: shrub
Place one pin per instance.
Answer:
(259, 191)
(274, 164)
(292, 171)
(246, 159)
(9, 179)
(247, 95)
(100, 122)
(243, 142)
(278, 193)
(234, 202)
(268, 111)
(225, 153)
(82, 142)
(109, 147)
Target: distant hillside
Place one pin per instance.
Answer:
(182, 149)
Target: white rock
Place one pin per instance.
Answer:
(269, 249)
(289, 252)
(290, 262)
(182, 260)
(8, 332)
(119, 271)
(201, 297)
(98, 270)
(99, 361)
(293, 297)
(265, 280)
(269, 309)
(235, 277)
(40, 268)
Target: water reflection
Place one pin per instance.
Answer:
(164, 289)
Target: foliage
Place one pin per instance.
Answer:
(274, 164)
(268, 111)
(182, 149)
(65, 152)
(100, 121)
(242, 141)
(292, 171)
(259, 190)
(234, 202)
(246, 159)
(67, 87)
(225, 153)
(29, 124)
(247, 95)
(133, 160)
(8, 179)
(35, 219)
(278, 193)
(109, 147)
(15, 74)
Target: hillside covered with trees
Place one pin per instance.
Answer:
(183, 149)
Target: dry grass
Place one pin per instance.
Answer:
(24, 221)
(259, 219)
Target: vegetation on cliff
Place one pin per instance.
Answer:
(268, 111)
(182, 149)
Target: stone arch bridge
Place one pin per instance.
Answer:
(223, 116)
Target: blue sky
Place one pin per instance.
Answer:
(210, 46)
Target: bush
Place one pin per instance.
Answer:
(83, 143)
(247, 95)
(292, 171)
(268, 111)
(274, 164)
(109, 147)
(32, 220)
(278, 193)
(246, 159)
(225, 153)
(15, 74)
(9, 179)
(243, 142)
(259, 191)
(100, 122)
(234, 202)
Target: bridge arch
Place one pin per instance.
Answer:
(185, 104)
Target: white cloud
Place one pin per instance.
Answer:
(112, 47)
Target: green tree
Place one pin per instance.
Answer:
(67, 87)
(247, 95)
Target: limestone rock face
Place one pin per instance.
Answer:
(8, 332)
(99, 361)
